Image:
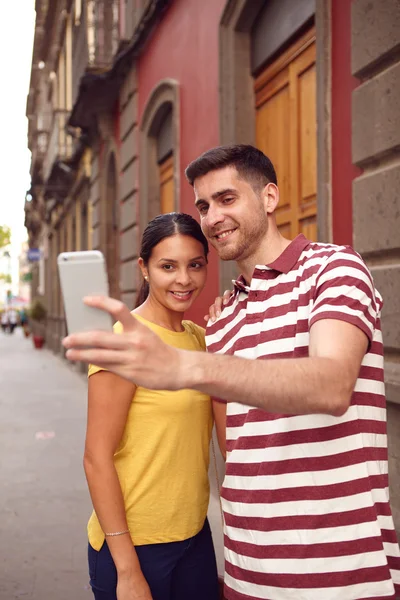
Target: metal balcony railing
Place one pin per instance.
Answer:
(103, 31)
(59, 143)
(95, 39)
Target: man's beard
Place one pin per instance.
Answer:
(245, 246)
(233, 252)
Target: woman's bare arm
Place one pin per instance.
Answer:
(109, 400)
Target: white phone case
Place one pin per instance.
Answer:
(83, 274)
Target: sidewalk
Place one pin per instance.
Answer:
(44, 504)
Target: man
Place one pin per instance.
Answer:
(305, 496)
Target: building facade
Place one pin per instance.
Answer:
(125, 93)
(5, 276)
(24, 275)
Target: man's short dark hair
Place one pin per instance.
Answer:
(250, 163)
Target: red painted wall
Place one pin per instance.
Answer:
(184, 47)
(343, 83)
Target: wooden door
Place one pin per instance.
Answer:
(166, 173)
(286, 132)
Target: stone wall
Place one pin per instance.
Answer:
(376, 205)
(128, 190)
(95, 203)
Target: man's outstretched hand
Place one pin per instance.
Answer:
(137, 354)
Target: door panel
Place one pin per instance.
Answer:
(308, 135)
(166, 172)
(286, 132)
(272, 140)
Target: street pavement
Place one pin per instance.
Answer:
(44, 503)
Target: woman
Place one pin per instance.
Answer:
(147, 452)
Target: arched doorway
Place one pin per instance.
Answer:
(159, 156)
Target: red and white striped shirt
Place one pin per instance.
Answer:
(305, 497)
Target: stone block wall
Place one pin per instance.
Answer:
(128, 190)
(376, 198)
(95, 202)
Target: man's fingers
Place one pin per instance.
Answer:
(117, 309)
(94, 339)
(218, 306)
(212, 313)
(226, 296)
(98, 357)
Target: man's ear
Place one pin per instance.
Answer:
(143, 268)
(270, 197)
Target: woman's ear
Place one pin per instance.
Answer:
(143, 268)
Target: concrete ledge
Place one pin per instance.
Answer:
(128, 212)
(129, 180)
(393, 427)
(376, 117)
(392, 382)
(375, 201)
(387, 281)
(128, 116)
(129, 275)
(129, 147)
(129, 242)
(128, 88)
(375, 32)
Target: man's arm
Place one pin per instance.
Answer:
(109, 401)
(320, 383)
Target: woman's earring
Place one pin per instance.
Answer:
(146, 278)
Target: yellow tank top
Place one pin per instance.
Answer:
(162, 459)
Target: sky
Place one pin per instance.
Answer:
(16, 39)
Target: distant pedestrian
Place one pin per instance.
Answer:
(4, 321)
(12, 319)
(23, 317)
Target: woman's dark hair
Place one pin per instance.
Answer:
(161, 227)
(251, 164)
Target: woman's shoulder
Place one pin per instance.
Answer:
(197, 331)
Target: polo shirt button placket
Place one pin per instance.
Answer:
(251, 308)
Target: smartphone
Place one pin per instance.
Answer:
(83, 274)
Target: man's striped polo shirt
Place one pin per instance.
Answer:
(306, 498)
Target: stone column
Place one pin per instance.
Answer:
(376, 203)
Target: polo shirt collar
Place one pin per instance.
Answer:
(283, 264)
